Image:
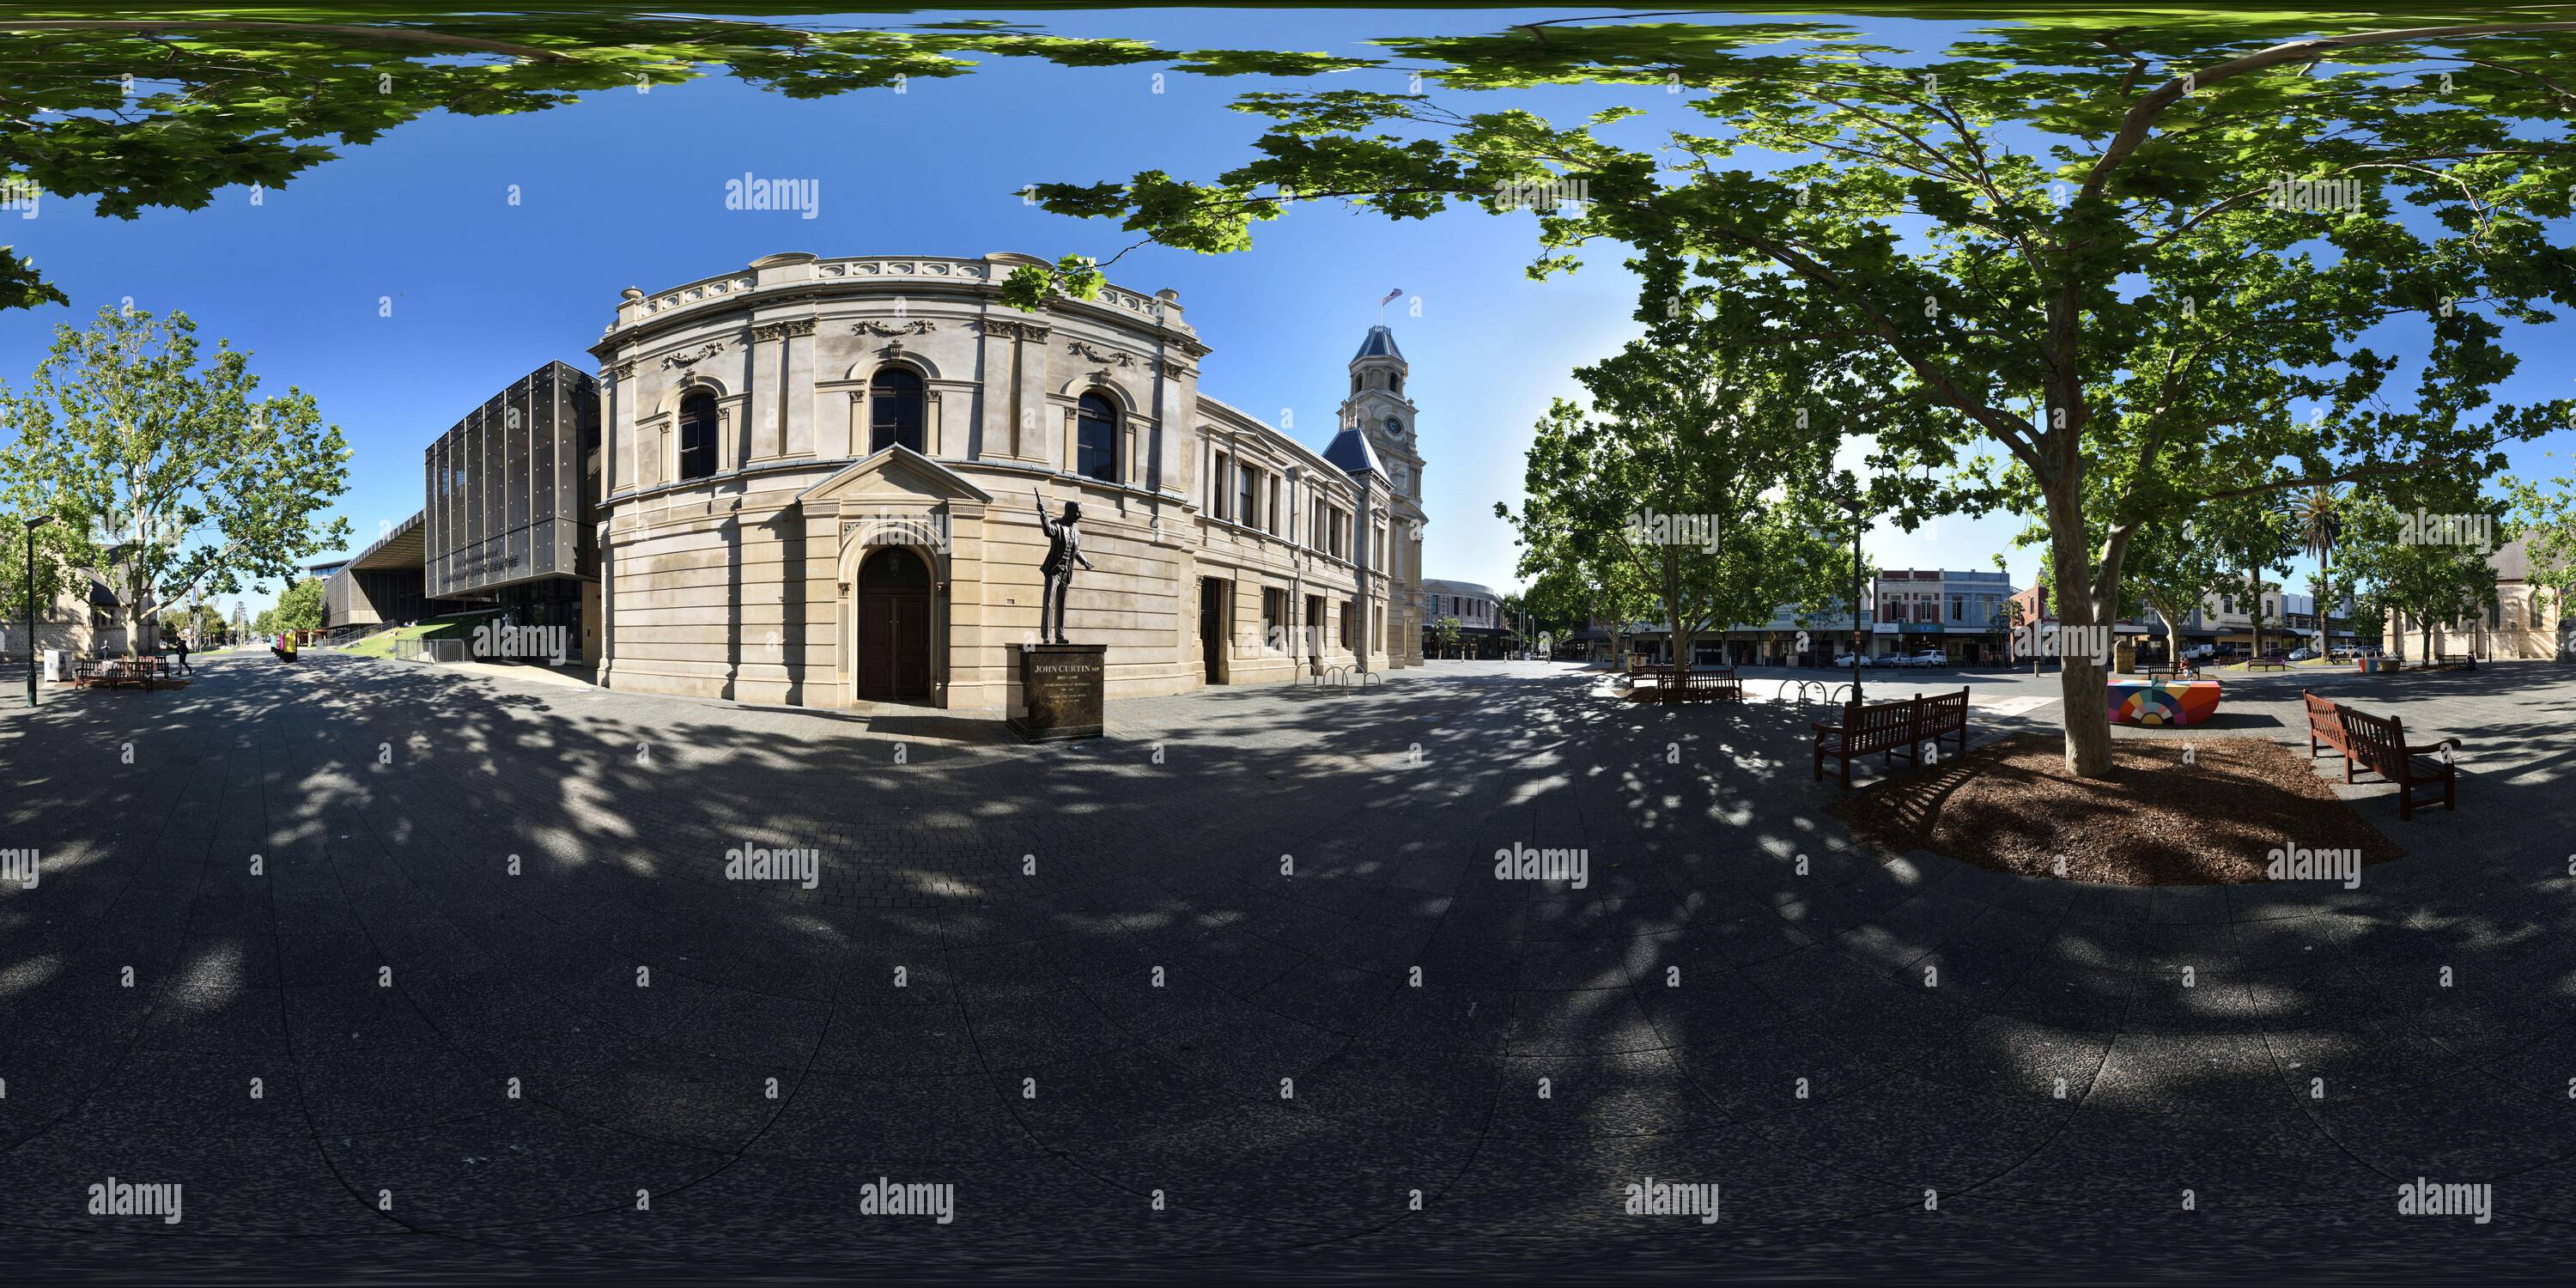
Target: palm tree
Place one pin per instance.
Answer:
(2317, 516)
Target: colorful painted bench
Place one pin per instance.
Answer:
(2163, 702)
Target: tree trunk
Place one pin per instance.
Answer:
(2083, 712)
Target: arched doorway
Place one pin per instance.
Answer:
(893, 593)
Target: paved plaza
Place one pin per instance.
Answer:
(1150, 1004)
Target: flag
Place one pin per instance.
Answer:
(1390, 297)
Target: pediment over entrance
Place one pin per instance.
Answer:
(897, 474)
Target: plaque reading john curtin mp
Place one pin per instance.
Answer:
(1060, 691)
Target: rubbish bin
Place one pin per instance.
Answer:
(2124, 656)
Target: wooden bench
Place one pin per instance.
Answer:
(119, 672)
(1882, 727)
(2274, 663)
(2378, 744)
(2455, 661)
(1711, 686)
(2171, 671)
(1943, 716)
(2325, 729)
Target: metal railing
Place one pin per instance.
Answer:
(431, 650)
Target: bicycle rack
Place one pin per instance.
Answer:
(1802, 687)
(1839, 688)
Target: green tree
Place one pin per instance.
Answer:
(240, 623)
(207, 624)
(1446, 632)
(2543, 518)
(2118, 298)
(189, 479)
(2316, 517)
(57, 554)
(2402, 577)
(1692, 471)
(299, 607)
(168, 110)
(266, 623)
(2175, 568)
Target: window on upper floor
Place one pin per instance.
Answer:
(1249, 493)
(1096, 438)
(1218, 472)
(894, 410)
(698, 426)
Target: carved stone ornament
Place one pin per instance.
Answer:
(1012, 330)
(918, 326)
(692, 357)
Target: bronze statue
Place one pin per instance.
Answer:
(1064, 550)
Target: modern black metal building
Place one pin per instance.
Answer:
(511, 505)
(511, 498)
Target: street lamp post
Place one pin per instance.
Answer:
(32, 524)
(1853, 506)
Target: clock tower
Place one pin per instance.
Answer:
(1379, 409)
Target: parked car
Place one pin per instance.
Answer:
(1929, 657)
(1846, 660)
(2201, 652)
(2303, 655)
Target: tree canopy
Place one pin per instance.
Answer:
(2110, 266)
(180, 475)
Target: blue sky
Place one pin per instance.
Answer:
(627, 189)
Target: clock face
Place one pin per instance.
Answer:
(1394, 427)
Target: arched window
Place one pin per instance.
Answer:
(1096, 439)
(1395, 382)
(698, 435)
(1355, 382)
(894, 398)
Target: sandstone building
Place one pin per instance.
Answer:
(820, 480)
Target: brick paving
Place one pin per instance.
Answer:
(1073, 980)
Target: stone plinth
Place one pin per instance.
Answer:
(1060, 688)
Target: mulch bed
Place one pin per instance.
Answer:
(2012, 806)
